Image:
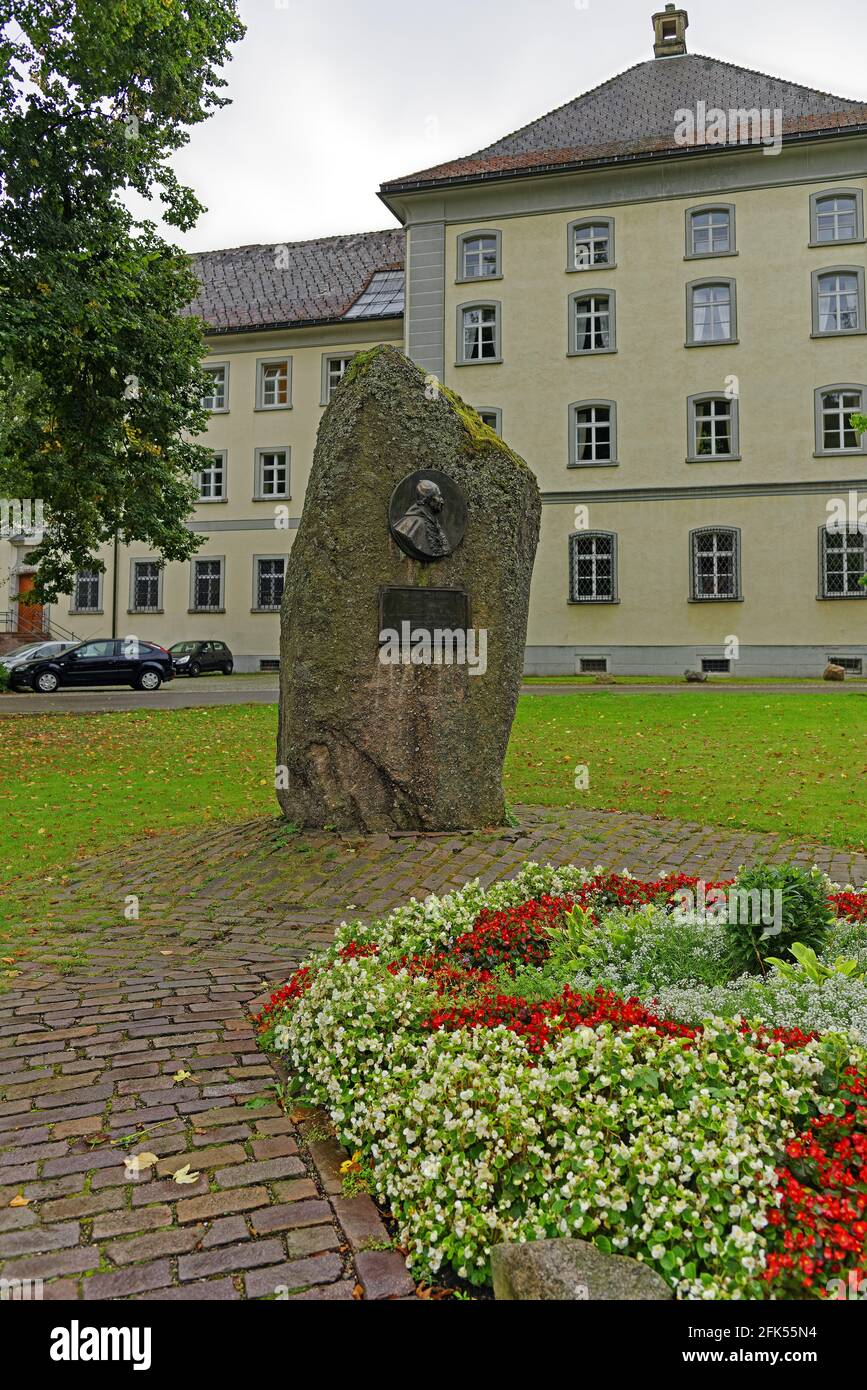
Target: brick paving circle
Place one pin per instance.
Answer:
(88, 1058)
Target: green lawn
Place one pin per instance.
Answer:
(792, 763)
(76, 784)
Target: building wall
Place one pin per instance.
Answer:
(775, 493)
(240, 527)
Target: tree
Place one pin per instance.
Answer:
(100, 369)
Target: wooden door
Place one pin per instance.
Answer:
(30, 615)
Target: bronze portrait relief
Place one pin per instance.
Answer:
(427, 515)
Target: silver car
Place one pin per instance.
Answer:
(35, 651)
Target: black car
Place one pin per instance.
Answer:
(108, 661)
(192, 658)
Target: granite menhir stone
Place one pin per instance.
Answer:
(368, 746)
(569, 1270)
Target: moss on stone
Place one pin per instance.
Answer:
(361, 361)
(479, 435)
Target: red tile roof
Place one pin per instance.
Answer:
(633, 115)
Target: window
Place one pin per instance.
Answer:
(710, 231)
(715, 563)
(837, 216)
(593, 433)
(592, 567)
(713, 428)
(212, 480)
(381, 298)
(95, 650)
(591, 243)
(269, 573)
(842, 561)
(274, 384)
(207, 586)
(145, 586)
(479, 256)
(592, 665)
(86, 594)
(710, 312)
(853, 664)
(333, 371)
(838, 300)
(272, 473)
(478, 333)
(492, 417)
(834, 409)
(269, 663)
(217, 396)
(719, 664)
(591, 322)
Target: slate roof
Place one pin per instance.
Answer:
(297, 284)
(633, 114)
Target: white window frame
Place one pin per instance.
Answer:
(133, 566)
(610, 537)
(208, 559)
(826, 272)
(826, 196)
(858, 544)
(707, 210)
(581, 224)
(463, 277)
(257, 561)
(839, 389)
(209, 369)
(74, 606)
(328, 388)
(593, 296)
(735, 551)
(574, 460)
(221, 464)
(259, 493)
(492, 305)
(731, 406)
(262, 363)
(696, 286)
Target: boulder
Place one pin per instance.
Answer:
(563, 1270)
(415, 509)
(832, 672)
(695, 677)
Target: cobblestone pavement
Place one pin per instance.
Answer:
(147, 1046)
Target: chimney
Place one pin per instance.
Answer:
(669, 32)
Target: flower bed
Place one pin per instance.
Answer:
(571, 1053)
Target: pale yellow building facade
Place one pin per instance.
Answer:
(674, 337)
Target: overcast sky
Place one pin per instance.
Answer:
(331, 97)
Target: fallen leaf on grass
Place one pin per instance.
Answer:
(184, 1175)
(137, 1163)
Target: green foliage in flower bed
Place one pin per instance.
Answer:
(801, 904)
(482, 1055)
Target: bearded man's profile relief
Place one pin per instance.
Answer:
(418, 531)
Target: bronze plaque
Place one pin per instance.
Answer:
(427, 515)
(424, 609)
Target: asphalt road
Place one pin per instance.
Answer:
(189, 693)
